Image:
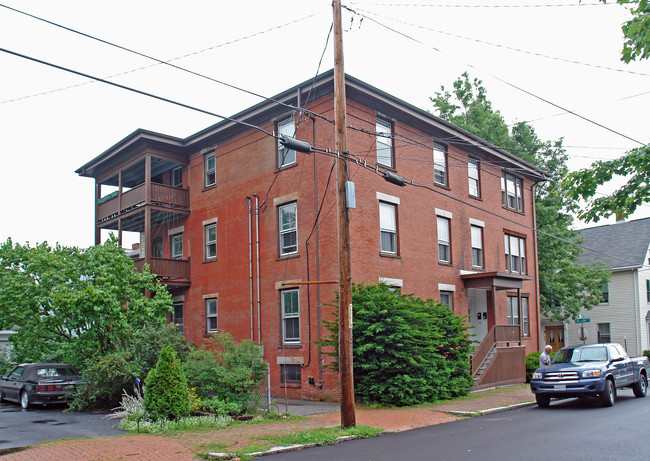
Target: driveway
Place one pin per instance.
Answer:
(21, 428)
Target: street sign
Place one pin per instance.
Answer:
(583, 320)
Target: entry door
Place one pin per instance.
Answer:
(555, 336)
(477, 311)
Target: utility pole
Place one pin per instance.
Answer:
(346, 380)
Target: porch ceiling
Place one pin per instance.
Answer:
(496, 280)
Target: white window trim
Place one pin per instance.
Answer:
(283, 318)
(281, 232)
(211, 222)
(476, 222)
(386, 230)
(391, 282)
(446, 287)
(176, 230)
(444, 213)
(281, 121)
(207, 318)
(387, 198)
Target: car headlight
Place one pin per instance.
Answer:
(537, 375)
(591, 373)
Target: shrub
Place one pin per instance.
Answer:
(5, 364)
(107, 379)
(110, 376)
(166, 395)
(230, 374)
(405, 350)
(647, 354)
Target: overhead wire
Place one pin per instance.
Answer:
(495, 77)
(167, 62)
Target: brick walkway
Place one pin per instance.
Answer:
(182, 447)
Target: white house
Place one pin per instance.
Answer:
(624, 314)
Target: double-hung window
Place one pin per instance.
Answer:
(177, 246)
(388, 227)
(473, 178)
(604, 334)
(447, 297)
(439, 164)
(477, 246)
(511, 192)
(210, 169)
(211, 315)
(515, 249)
(210, 241)
(286, 156)
(177, 177)
(518, 314)
(178, 315)
(290, 316)
(288, 217)
(604, 294)
(384, 143)
(444, 245)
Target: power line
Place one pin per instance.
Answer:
(542, 5)
(168, 62)
(134, 90)
(519, 50)
(501, 80)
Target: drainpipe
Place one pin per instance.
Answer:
(539, 308)
(250, 263)
(257, 256)
(637, 311)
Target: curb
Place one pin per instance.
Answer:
(489, 411)
(275, 450)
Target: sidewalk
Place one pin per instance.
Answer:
(318, 414)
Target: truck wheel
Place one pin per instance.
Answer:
(543, 401)
(24, 400)
(608, 396)
(641, 386)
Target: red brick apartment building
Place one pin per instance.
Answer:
(227, 217)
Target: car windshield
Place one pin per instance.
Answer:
(55, 372)
(581, 354)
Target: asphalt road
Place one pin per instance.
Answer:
(572, 429)
(20, 428)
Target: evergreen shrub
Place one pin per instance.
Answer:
(406, 350)
(166, 395)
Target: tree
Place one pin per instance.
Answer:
(636, 31)
(635, 164)
(166, 395)
(406, 350)
(75, 304)
(565, 287)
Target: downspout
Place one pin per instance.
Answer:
(318, 298)
(637, 311)
(537, 297)
(257, 256)
(250, 263)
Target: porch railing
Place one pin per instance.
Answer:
(161, 194)
(167, 268)
(498, 334)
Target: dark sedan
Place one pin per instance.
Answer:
(39, 384)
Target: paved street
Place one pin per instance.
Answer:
(20, 428)
(572, 429)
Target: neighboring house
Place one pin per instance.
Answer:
(623, 316)
(227, 218)
(5, 341)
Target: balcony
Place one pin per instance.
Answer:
(162, 195)
(171, 271)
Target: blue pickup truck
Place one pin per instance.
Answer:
(594, 370)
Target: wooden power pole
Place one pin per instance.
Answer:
(346, 380)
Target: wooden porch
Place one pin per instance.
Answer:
(500, 359)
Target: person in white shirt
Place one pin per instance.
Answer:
(544, 357)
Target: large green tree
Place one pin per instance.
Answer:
(636, 30)
(635, 164)
(75, 304)
(565, 287)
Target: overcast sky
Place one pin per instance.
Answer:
(52, 122)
